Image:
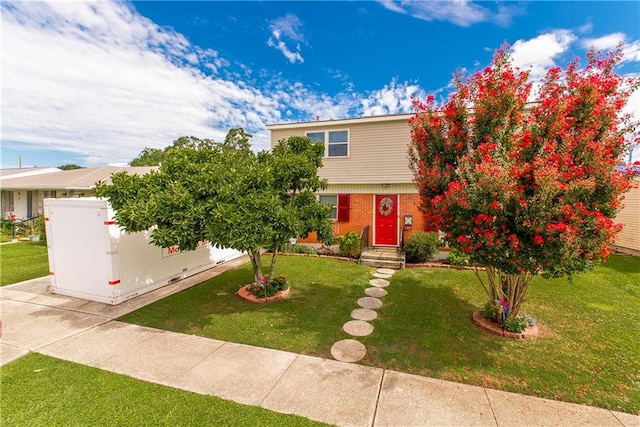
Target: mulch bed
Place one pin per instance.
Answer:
(246, 295)
(494, 328)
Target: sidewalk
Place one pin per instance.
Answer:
(325, 390)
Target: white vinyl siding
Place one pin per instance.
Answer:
(629, 237)
(377, 150)
(409, 188)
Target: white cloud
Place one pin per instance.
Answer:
(99, 81)
(463, 13)
(393, 98)
(287, 27)
(630, 50)
(103, 82)
(585, 28)
(538, 54)
(393, 6)
(608, 42)
(293, 57)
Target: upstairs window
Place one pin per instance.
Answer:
(316, 136)
(336, 142)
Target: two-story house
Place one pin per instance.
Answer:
(367, 168)
(371, 185)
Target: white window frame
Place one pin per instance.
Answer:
(326, 143)
(334, 206)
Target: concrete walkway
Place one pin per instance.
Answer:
(325, 390)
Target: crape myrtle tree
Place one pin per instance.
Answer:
(227, 195)
(525, 189)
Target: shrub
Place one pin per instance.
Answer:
(6, 230)
(42, 229)
(350, 244)
(270, 289)
(421, 246)
(324, 250)
(279, 283)
(457, 257)
(297, 249)
(515, 324)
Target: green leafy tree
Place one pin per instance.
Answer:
(148, 157)
(70, 166)
(192, 142)
(229, 197)
(524, 189)
(238, 138)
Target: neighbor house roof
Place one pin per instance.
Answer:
(18, 172)
(76, 179)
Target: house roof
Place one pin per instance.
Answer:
(76, 179)
(18, 172)
(383, 118)
(325, 123)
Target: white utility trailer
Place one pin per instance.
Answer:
(90, 257)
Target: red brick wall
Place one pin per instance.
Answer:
(409, 205)
(361, 215)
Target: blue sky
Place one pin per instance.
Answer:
(94, 83)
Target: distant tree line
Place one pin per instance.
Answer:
(236, 138)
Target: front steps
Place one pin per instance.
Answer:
(383, 258)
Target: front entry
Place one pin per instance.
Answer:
(386, 220)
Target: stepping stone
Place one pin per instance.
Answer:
(381, 276)
(348, 351)
(379, 283)
(363, 314)
(358, 328)
(369, 302)
(375, 292)
(385, 271)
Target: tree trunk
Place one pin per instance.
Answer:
(272, 268)
(506, 292)
(254, 256)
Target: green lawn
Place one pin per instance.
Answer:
(589, 352)
(323, 294)
(42, 391)
(22, 261)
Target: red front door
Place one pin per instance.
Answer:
(386, 216)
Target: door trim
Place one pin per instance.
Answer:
(373, 212)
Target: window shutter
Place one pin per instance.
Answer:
(343, 207)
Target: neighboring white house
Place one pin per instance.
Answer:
(20, 172)
(21, 193)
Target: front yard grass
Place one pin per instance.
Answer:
(39, 390)
(589, 352)
(22, 261)
(324, 291)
